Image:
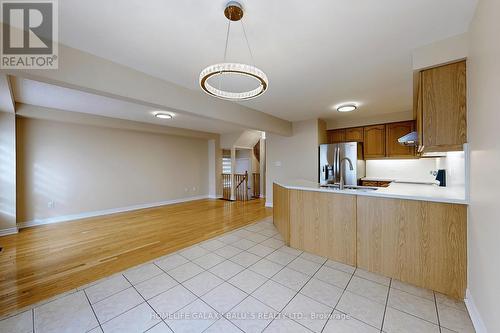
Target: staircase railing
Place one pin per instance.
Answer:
(241, 189)
(226, 186)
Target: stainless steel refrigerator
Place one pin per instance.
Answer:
(330, 156)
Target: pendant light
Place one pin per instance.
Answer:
(233, 12)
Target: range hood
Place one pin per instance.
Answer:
(409, 139)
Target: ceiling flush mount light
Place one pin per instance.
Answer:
(346, 107)
(163, 115)
(234, 13)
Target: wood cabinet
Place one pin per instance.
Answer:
(419, 242)
(375, 183)
(442, 108)
(393, 132)
(281, 211)
(354, 134)
(335, 136)
(374, 141)
(324, 224)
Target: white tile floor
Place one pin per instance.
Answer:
(245, 280)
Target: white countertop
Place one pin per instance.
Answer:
(423, 192)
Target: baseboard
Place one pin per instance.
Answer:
(72, 217)
(211, 196)
(269, 204)
(8, 231)
(477, 321)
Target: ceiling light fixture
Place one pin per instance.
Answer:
(163, 115)
(346, 107)
(233, 12)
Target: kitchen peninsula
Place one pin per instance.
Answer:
(414, 233)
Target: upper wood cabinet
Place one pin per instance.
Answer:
(394, 132)
(335, 136)
(354, 134)
(374, 141)
(441, 108)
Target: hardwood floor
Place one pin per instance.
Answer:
(41, 262)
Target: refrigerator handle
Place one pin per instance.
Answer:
(337, 169)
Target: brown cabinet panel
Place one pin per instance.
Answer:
(374, 183)
(354, 134)
(335, 136)
(281, 212)
(324, 224)
(419, 242)
(374, 141)
(444, 107)
(394, 132)
(369, 183)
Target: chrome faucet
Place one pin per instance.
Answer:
(341, 185)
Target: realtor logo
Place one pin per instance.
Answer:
(29, 34)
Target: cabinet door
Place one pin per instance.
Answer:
(335, 136)
(444, 112)
(374, 141)
(354, 134)
(419, 242)
(324, 224)
(394, 132)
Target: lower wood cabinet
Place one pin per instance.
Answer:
(324, 224)
(419, 242)
(281, 211)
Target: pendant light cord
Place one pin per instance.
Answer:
(248, 44)
(227, 39)
(225, 51)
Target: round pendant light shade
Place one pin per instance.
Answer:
(233, 12)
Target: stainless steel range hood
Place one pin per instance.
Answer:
(409, 139)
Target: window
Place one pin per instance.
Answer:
(226, 165)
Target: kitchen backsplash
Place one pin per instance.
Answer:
(420, 169)
(411, 170)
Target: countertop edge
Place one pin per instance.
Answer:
(376, 195)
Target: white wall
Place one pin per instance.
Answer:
(483, 74)
(440, 52)
(294, 157)
(85, 168)
(409, 169)
(7, 173)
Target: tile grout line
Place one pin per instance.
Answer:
(338, 301)
(250, 294)
(437, 311)
(297, 292)
(386, 302)
(92, 308)
(145, 301)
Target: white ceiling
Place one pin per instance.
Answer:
(316, 53)
(51, 96)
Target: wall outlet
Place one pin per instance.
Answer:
(277, 163)
(194, 188)
(51, 204)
